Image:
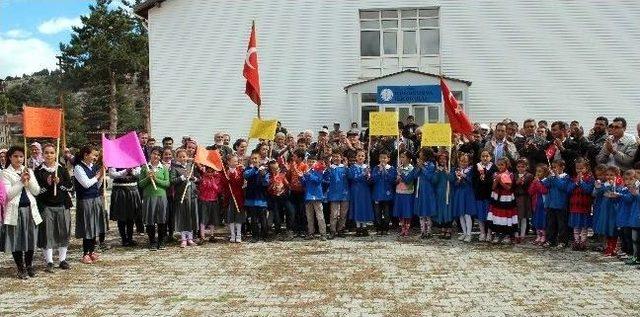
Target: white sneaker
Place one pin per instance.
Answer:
(467, 238)
(233, 238)
(496, 239)
(238, 239)
(461, 237)
(506, 240)
(481, 238)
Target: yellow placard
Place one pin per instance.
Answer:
(436, 134)
(383, 123)
(263, 129)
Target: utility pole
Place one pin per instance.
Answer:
(61, 101)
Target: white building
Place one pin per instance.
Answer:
(547, 59)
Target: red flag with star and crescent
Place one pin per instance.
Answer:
(458, 120)
(250, 71)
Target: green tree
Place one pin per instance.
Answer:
(100, 57)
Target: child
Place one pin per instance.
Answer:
(337, 193)
(503, 213)
(560, 186)
(630, 207)
(255, 197)
(312, 180)
(185, 202)
(278, 190)
(404, 201)
(125, 202)
(521, 186)
(360, 203)
(425, 196)
(482, 182)
(210, 189)
(167, 160)
(236, 215)
(606, 224)
(580, 204)
(383, 177)
(54, 206)
(464, 202)
(154, 180)
(538, 194)
(90, 220)
(297, 223)
(600, 173)
(19, 230)
(443, 216)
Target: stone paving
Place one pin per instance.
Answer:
(369, 276)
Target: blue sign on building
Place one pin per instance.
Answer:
(409, 94)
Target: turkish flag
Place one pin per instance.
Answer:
(250, 71)
(458, 120)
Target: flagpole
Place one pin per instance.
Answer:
(55, 186)
(188, 182)
(230, 189)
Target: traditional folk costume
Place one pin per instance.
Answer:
(503, 214)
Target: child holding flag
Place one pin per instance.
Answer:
(55, 230)
(185, 202)
(236, 215)
(90, 217)
(255, 197)
(154, 181)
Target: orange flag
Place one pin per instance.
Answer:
(210, 158)
(42, 122)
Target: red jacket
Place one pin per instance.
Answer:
(580, 201)
(236, 180)
(211, 185)
(536, 190)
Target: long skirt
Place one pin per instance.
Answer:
(186, 214)
(524, 206)
(55, 229)
(21, 237)
(90, 218)
(482, 208)
(155, 210)
(125, 203)
(209, 212)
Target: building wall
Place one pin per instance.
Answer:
(545, 59)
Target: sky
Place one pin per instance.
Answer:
(31, 32)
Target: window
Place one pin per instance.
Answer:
(365, 114)
(434, 114)
(369, 97)
(399, 32)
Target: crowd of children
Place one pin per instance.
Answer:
(289, 191)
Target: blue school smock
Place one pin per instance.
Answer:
(256, 191)
(631, 207)
(606, 222)
(338, 184)
(384, 180)
(312, 182)
(360, 205)
(464, 200)
(624, 207)
(425, 202)
(404, 201)
(560, 188)
(443, 214)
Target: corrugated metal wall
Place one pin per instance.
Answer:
(546, 59)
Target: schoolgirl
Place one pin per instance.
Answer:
(154, 180)
(404, 200)
(54, 205)
(463, 200)
(503, 214)
(19, 231)
(482, 183)
(425, 199)
(126, 203)
(185, 202)
(361, 205)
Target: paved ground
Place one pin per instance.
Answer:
(346, 277)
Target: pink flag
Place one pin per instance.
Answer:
(123, 152)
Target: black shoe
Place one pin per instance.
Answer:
(49, 268)
(132, 243)
(331, 236)
(212, 239)
(31, 271)
(341, 234)
(153, 247)
(22, 273)
(365, 232)
(64, 265)
(124, 243)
